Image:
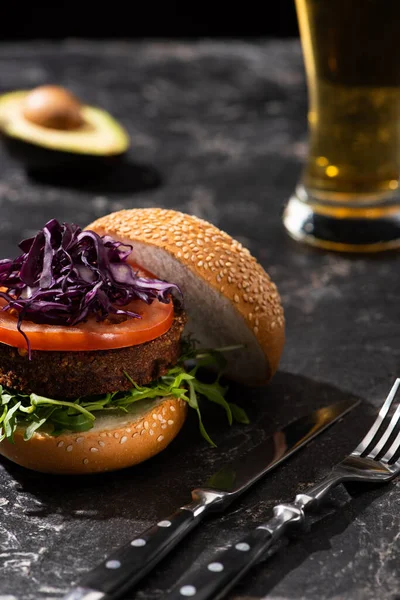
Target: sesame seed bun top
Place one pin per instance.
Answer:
(229, 298)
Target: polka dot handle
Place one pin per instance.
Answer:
(130, 563)
(220, 574)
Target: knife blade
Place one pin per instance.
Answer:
(130, 563)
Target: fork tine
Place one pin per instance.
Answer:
(378, 422)
(386, 435)
(392, 450)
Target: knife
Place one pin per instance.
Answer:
(130, 563)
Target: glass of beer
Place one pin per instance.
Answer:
(348, 197)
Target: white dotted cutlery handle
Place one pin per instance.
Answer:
(134, 560)
(223, 571)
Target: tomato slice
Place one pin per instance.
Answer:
(156, 319)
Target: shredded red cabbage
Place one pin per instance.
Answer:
(65, 274)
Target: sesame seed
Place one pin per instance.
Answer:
(128, 430)
(69, 448)
(85, 461)
(257, 322)
(146, 424)
(164, 426)
(200, 263)
(154, 424)
(116, 435)
(151, 432)
(60, 444)
(102, 444)
(250, 316)
(160, 438)
(79, 440)
(273, 325)
(236, 298)
(170, 422)
(94, 449)
(143, 432)
(103, 434)
(123, 439)
(255, 330)
(154, 415)
(172, 408)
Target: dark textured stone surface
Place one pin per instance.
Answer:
(218, 130)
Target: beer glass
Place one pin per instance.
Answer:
(348, 197)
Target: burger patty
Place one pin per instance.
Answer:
(75, 374)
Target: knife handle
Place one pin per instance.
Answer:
(225, 569)
(134, 560)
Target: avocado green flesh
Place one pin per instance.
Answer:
(101, 135)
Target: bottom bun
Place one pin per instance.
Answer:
(114, 442)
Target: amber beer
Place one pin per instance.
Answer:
(349, 196)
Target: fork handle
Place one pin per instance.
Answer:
(226, 568)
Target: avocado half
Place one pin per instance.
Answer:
(100, 142)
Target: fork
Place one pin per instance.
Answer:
(375, 459)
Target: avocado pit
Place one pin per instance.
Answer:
(53, 107)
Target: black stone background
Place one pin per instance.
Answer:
(218, 130)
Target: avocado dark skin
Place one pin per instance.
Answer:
(36, 158)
